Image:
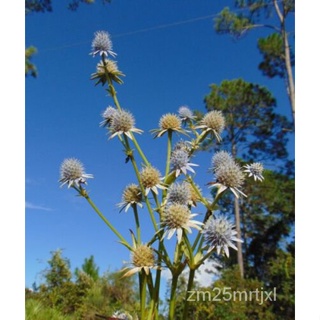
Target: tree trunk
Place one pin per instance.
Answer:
(237, 217)
(289, 75)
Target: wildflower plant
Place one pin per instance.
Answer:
(169, 196)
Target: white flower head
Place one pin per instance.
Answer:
(102, 44)
(213, 122)
(107, 116)
(142, 258)
(123, 315)
(176, 218)
(168, 123)
(229, 176)
(151, 179)
(255, 169)
(72, 173)
(131, 196)
(122, 122)
(220, 158)
(219, 233)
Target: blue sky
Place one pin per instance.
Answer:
(170, 55)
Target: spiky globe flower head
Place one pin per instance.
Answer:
(229, 176)
(107, 116)
(220, 158)
(151, 179)
(168, 122)
(255, 169)
(131, 196)
(122, 315)
(123, 122)
(72, 173)
(176, 218)
(213, 122)
(179, 193)
(185, 114)
(219, 233)
(102, 44)
(142, 258)
(180, 162)
(107, 70)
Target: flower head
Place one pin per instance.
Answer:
(220, 158)
(255, 169)
(107, 116)
(151, 180)
(219, 233)
(102, 44)
(122, 315)
(131, 196)
(168, 122)
(180, 162)
(213, 122)
(229, 176)
(179, 193)
(185, 113)
(142, 258)
(123, 122)
(72, 173)
(107, 70)
(176, 218)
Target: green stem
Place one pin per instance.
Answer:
(189, 288)
(136, 217)
(168, 152)
(143, 294)
(136, 144)
(136, 170)
(114, 230)
(172, 304)
(153, 313)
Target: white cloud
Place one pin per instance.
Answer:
(30, 205)
(205, 275)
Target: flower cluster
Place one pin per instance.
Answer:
(174, 195)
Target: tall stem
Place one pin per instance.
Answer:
(168, 152)
(172, 304)
(189, 288)
(136, 218)
(114, 230)
(143, 295)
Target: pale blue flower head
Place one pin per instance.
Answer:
(185, 113)
(102, 44)
(179, 193)
(219, 233)
(180, 162)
